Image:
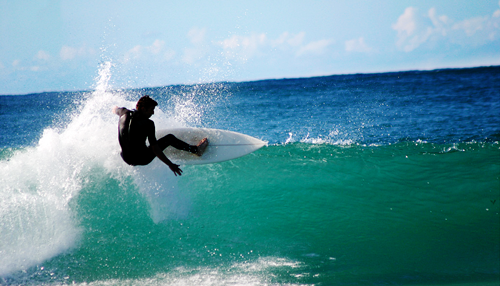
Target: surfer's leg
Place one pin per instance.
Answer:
(171, 140)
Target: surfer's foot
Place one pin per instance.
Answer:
(202, 146)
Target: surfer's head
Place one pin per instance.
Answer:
(146, 105)
(145, 102)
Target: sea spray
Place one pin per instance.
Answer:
(36, 221)
(39, 182)
(37, 185)
(160, 187)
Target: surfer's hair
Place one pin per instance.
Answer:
(145, 102)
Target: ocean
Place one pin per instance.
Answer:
(367, 179)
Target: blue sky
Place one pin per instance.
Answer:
(59, 45)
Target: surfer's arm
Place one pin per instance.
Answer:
(159, 153)
(119, 110)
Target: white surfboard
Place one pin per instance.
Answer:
(223, 145)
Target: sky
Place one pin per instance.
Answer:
(60, 45)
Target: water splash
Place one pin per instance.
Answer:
(333, 138)
(104, 75)
(38, 183)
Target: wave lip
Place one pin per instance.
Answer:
(38, 184)
(36, 219)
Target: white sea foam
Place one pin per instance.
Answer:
(246, 273)
(38, 183)
(333, 138)
(159, 186)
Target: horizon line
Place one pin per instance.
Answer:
(258, 80)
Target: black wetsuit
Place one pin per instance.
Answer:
(134, 129)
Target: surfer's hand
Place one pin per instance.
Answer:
(175, 168)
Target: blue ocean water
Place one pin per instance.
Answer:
(368, 179)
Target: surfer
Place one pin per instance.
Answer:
(135, 127)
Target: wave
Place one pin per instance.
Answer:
(290, 211)
(40, 182)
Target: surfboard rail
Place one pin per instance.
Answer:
(223, 145)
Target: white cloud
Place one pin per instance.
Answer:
(241, 42)
(230, 43)
(42, 55)
(21, 66)
(406, 24)
(414, 29)
(411, 34)
(156, 50)
(135, 52)
(296, 40)
(69, 53)
(196, 35)
(357, 45)
(439, 22)
(191, 55)
(197, 51)
(317, 47)
(476, 31)
(156, 47)
(17, 65)
(169, 54)
(288, 39)
(243, 47)
(471, 26)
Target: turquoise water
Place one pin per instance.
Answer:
(325, 203)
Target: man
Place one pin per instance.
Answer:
(135, 127)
